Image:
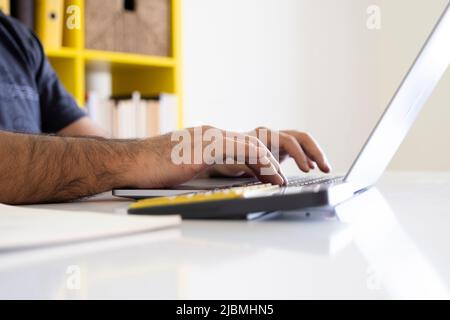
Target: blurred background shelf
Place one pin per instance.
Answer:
(119, 58)
(62, 53)
(130, 72)
(113, 58)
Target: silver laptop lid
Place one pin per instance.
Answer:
(402, 111)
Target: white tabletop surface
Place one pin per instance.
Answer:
(391, 242)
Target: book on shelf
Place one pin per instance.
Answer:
(168, 104)
(100, 111)
(135, 116)
(5, 6)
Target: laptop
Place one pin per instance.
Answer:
(381, 146)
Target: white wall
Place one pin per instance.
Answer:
(305, 64)
(242, 62)
(406, 25)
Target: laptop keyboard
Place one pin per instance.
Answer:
(301, 181)
(307, 181)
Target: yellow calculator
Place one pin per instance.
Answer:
(211, 204)
(244, 202)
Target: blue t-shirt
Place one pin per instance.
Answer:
(32, 99)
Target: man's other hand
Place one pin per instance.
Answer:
(300, 146)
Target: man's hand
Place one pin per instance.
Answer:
(291, 143)
(299, 145)
(156, 167)
(41, 169)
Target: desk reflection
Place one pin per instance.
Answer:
(359, 252)
(397, 264)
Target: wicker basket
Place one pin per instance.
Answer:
(134, 26)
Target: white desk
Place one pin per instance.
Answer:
(390, 246)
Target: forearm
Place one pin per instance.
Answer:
(37, 169)
(82, 128)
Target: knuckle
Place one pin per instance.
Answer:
(205, 128)
(292, 139)
(262, 128)
(307, 136)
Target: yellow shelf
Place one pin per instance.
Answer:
(128, 59)
(112, 57)
(130, 72)
(62, 53)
